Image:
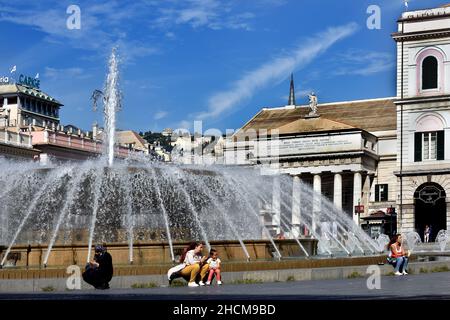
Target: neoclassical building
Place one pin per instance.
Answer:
(374, 156)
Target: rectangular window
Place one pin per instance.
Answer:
(381, 192)
(429, 143)
(429, 146)
(12, 100)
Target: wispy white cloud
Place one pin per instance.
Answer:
(72, 73)
(102, 25)
(170, 35)
(272, 71)
(212, 14)
(363, 63)
(160, 115)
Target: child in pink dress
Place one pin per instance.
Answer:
(214, 267)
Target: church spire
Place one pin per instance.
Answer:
(291, 101)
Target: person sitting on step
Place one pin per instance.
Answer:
(193, 268)
(397, 255)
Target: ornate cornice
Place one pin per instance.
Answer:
(421, 35)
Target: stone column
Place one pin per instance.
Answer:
(276, 204)
(317, 186)
(337, 194)
(357, 188)
(30, 138)
(365, 194)
(45, 136)
(296, 205)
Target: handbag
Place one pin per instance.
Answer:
(177, 268)
(390, 259)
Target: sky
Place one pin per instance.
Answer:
(211, 60)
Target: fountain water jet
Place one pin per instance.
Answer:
(96, 189)
(225, 218)
(442, 238)
(166, 217)
(24, 220)
(69, 202)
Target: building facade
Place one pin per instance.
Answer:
(24, 105)
(423, 119)
(371, 156)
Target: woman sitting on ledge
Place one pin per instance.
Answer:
(397, 255)
(192, 268)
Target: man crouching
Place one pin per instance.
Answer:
(99, 271)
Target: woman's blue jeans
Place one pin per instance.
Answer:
(401, 264)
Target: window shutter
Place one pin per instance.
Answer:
(377, 192)
(440, 145)
(417, 146)
(386, 192)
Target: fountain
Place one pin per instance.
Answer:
(412, 240)
(112, 103)
(442, 238)
(155, 208)
(382, 241)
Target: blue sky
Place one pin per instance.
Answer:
(217, 61)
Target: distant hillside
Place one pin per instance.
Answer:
(155, 137)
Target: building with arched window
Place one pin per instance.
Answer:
(369, 157)
(423, 119)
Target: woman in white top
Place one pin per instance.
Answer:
(194, 265)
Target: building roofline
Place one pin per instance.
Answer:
(328, 104)
(241, 128)
(22, 90)
(404, 17)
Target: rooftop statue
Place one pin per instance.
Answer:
(313, 104)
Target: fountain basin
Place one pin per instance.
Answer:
(148, 253)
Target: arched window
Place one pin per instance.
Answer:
(430, 73)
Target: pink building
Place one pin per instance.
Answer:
(60, 145)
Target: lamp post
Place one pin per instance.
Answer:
(359, 212)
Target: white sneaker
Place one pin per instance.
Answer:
(398, 273)
(192, 284)
(208, 283)
(201, 283)
(219, 282)
(405, 273)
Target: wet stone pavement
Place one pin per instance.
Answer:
(416, 286)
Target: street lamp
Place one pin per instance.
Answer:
(358, 211)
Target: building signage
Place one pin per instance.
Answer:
(29, 81)
(313, 145)
(359, 209)
(430, 194)
(4, 80)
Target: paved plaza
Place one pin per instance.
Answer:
(419, 286)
